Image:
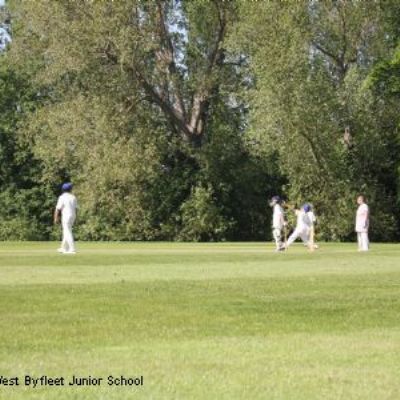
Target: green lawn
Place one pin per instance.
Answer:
(202, 321)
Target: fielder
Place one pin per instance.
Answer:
(66, 207)
(312, 220)
(278, 222)
(303, 226)
(362, 224)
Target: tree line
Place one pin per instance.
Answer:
(178, 120)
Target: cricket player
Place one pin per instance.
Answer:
(303, 226)
(278, 222)
(362, 224)
(66, 207)
(312, 220)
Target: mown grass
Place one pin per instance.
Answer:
(202, 321)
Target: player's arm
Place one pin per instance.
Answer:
(56, 217)
(366, 221)
(76, 209)
(57, 211)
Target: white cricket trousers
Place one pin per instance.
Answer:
(277, 234)
(363, 241)
(67, 243)
(304, 234)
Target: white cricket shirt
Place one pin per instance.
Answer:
(303, 221)
(277, 217)
(311, 218)
(67, 204)
(362, 218)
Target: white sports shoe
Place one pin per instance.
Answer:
(69, 252)
(61, 250)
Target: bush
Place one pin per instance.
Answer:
(201, 218)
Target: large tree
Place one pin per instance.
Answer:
(167, 51)
(309, 104)
(140, 111)
(24, 201)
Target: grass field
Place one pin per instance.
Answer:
(201, 321)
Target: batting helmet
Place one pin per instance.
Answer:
(274, 200)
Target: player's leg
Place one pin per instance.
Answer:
(359, 241)
(64, 243)
(292, 238)
(69, 237)
(305, 236)
(364, 241)
(62, 247)
(311, 245)
(278, 238)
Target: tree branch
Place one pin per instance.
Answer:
(164, 104)
(166, 55)
(201, 96)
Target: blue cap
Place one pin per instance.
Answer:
(307, 207)
(66, 186)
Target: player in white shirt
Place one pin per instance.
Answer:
(302, 229)
(66, 207)
(278, 222)
(362, 224)
(312, 220)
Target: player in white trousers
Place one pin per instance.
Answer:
(278, 222)
(308, 209)
(362, 224)
(66, 206)
(303, 226)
